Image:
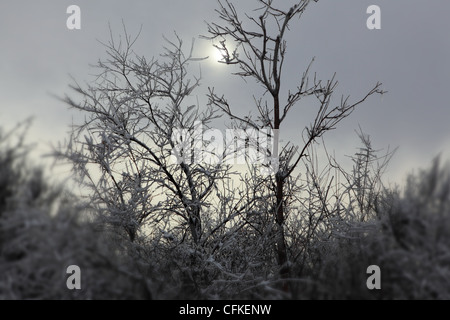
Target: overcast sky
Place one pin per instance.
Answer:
(409, 55)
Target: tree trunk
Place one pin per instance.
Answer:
(281, 245)
(279, 210)
(195, 223)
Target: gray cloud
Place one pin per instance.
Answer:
(410, 55)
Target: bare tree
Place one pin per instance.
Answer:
(136, 150)
(259, 51)
(364, 182)
(139, 131)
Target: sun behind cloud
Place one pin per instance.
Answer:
(213, 55)
(216, 55)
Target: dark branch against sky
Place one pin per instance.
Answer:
(409, 55)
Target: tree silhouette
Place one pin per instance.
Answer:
(260, 47)
(139, 113)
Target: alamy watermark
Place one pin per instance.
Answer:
(73, 22)
(374, 20)
(374, 281)
(238, 146)
(73, 282)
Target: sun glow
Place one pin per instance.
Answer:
(215, 55)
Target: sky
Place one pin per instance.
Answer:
(410, 55)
